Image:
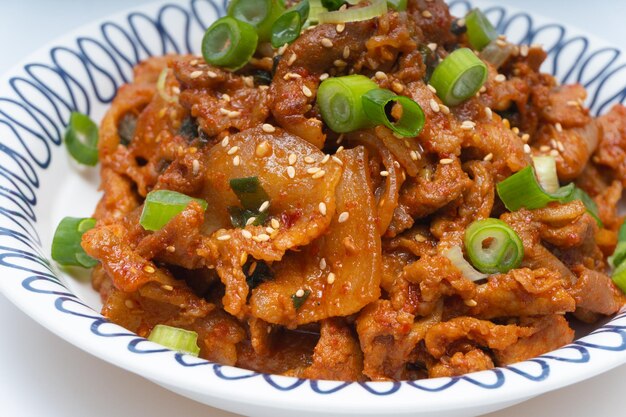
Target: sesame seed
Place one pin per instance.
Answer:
(431, 88)
(292, 59)
(264, 206)
(488, 113)
(162, 112)
(291, 171)
(223, 237)
(129, 304)
(324, 76)
(339, 149)
(500, 78)
(419, 238)
(523, 51)
(331, 278)
(307, 91)
(248, 81)
(384, 173)
(340, 27)
(233, 150)
(234, 114)
(558, 127)
(308, 160)
(560, 146)
(515, 130)
(176, 90)
(262, 149)
(193, 62)
(488, 157)
(427, 14)
(323, 263)
(236, 160)
(340, 63)
(325, 158)
(460, 22)
(268, 128)
(250, 221)
(414, 156)
(262, 237)
(501, 43)
(282, 49)
(432, 46)
(226, 97)
(149, 269)
(275, 223)
(470, 303)
(292, 158)
(269, 230)
(327, 43)
(337, 160)
(343, 217)
(225, 141)
(322, 208)
(397, 87)
(468, 125)
(573, 103)
(195, 74)
(434, 106)
(544, 148)
(211, 74)
(243, 259)
(170, 249)
(527, 148)
(444, 109)
(346, 52)
(553, 142)
(482, 89)
(525, 137)
(195, 166)
(291, 76)
(446, 161)
(554, 152)
(167, 287)
(300, 293)
(312, 170)
(319, 174)
(246, 234)
(380, 75)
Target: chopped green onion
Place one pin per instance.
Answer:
(81, 139)
(66, 248)
(341, 104)
(315, 10)
(377, 104)
(260, 14)
(239, 217)
(522, 189)
(162, 205)
(332, 5)
(545, 169)
(298, 300)
(355, 14)
(287, 27)
(493, 247)
(459, 76)
(229, 43)
(173, 338)
(257, 272)
(619, 254)
(250, 192)
(398, 5)
(619, 277)
(455, 255)
(592, 208)
(480, 31)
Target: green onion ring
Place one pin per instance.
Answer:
(173, 338)
(376, 104)
(260, 14)
(162, 205)
(493, 247)
(459, 76)
(480, 31)
(355, 14)
(229, 43)
(397, 5)
(66, 248)
(81, 139)
(288, 26)
(340, 102)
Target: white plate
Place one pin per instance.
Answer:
(62, 189)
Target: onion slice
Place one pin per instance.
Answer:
(455, 255)
(355, 14)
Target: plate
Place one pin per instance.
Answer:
(40, 185)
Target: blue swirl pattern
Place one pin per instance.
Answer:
(34, 113)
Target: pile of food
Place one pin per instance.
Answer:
(363, 191)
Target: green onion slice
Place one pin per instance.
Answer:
(459, 76)
(355, 14)
(315, 10)
(260, 14)
(162, 205)
(522, 189)
(66, 248)
(332, 5)
(250, 192)
(377, 106)
(298, 301)
(240, 217)
(619, 277)
(287, 27)
(455, 255)
(480, 31)
(340, 102)
(493, 247)
(592, 207)
(173, 338)
(81, 139)
(229, 43)
(619, 254)
(545, 169)
(397, 5)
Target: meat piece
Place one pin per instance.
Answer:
(564, 106)
(611, 152)
(548, 333)
(461, 363)
(337, 355)
(351, 253)
(436, 25)
(596, 292)
(218, 337)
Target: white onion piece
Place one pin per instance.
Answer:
(545, 169)
(455, 255)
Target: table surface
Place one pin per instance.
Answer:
(32, 358)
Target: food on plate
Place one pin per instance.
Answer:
(353, 191)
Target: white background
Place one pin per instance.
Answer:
(43, 376)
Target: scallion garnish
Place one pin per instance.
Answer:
(619, 277)
(397, 5)
(229, 43)
(239, 217)
(340, 102)
(316, 9)
(299, 298)
(332, 5)
(173, 338)
(81, 139)
(288, 26)
(250, 192)
(257, 272)
(377, 105)
(493, 247)
(545, 169)
(162, 205)
(376, 8)
(260, 14)
(592, 208)
(480, 31)
(522, 189)
(66, 248)
(459, 76)
(619, 254)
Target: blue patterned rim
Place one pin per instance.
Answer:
(35, 111)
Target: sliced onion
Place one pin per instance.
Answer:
(455, 255)
(355, 14)
(497, 55)
(545, 169)
(160, 85)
